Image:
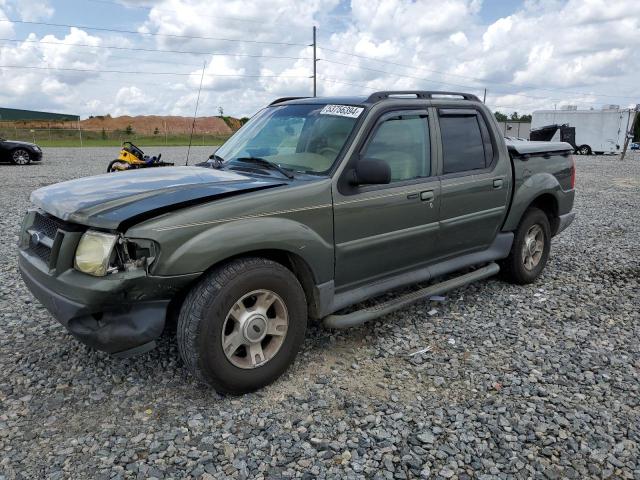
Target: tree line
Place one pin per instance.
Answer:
(514, 117)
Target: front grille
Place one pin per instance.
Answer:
(41, 251)
(47, 225)
(46, 229)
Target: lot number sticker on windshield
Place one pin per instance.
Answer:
(342, 111)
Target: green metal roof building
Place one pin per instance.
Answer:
(15, 115)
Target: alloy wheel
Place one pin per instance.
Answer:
(533, 247)
(255, 328)
(21, 157)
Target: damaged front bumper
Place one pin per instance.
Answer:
(121, 314)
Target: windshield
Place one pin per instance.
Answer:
(303, 138)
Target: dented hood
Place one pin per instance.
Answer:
(113, 199)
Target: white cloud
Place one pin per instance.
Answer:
(459, 39)
(6, 28)
(28, 10)
(34, 10)
(586, 46)
(387, 18)
(129, 99)
(42, 72)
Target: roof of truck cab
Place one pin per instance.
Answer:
(384, 95)
(351, 100)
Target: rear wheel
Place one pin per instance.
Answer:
(241, 327)
(584, 150)
(20, 156)
(530, 249)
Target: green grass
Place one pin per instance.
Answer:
(151, 141)
(70, 138)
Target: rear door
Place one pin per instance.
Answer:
(474, 183)
(381, 230)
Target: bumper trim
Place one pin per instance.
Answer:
(124, 329)
(564, 221)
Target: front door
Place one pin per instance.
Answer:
(381, 230)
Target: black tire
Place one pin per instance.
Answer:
(206, 307)
(20, 156)
(584, 150)
(513, 267)
(111, 164)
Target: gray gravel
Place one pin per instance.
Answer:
(515, 382)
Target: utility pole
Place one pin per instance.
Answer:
(79, 131)
(315, 61)
(484, 98)
(195, 114)
(631, 130)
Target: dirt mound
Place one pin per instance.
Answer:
(148, 124)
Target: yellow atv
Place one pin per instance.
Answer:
(132, 157)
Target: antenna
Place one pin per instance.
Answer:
(193, 124)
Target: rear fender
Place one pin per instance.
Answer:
(527, 192)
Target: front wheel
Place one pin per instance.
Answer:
(20, 156)
(530, 249)
(241, 327)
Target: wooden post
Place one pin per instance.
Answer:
(630, 132)
(80, 131)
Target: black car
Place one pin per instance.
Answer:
(19, 153)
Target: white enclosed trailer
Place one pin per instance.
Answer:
(597, 131)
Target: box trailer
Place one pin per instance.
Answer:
(596, 131)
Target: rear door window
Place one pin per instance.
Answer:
(463, 147)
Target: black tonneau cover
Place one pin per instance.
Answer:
(533, 148)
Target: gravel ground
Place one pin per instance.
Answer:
(539, 381)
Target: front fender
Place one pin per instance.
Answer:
(226, 240)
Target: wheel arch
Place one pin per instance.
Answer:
(291, 261)
(548, 203)
(541, 193)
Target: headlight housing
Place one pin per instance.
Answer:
(94, 252)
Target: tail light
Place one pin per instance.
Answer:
(573, 171)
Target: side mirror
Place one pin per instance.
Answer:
(212, 156)
(371, 171)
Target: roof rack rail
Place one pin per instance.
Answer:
(285, 99)
(378, 96)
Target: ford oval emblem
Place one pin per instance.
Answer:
(35, 238)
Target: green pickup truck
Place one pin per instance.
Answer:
(315, 205)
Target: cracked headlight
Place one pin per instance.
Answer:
(94, 252)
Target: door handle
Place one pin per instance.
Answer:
(427, 196)
(497, 183)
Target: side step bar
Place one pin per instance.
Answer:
(360, 316)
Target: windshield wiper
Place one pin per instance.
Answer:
(265, 163)
(214, 161)
(218, 161)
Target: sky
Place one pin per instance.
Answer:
(139, 57)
